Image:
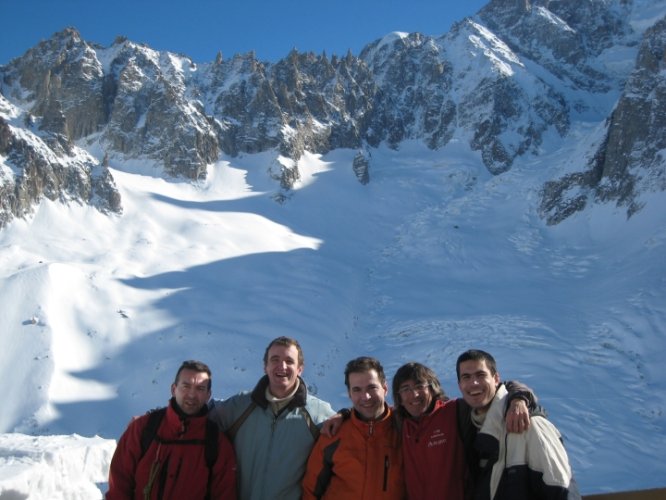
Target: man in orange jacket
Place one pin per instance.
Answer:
(177, 461)
(364, 459)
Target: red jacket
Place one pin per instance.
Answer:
(183, 473)
(362, 461)
(433, 454)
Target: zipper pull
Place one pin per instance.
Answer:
(386, 471)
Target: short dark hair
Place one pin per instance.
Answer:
(197, 366)
(420, 374)
(286, 342)
(476, 355)
(364, 364)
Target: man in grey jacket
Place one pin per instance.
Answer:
(531, 465)
(274, 427)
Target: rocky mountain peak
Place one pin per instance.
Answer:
(500, 82)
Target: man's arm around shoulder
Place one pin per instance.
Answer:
(224, 412)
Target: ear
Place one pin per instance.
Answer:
(299, 370)
(497, 378)
(173, 390)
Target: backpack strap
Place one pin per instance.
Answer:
(233, 430)
(211, 447)
(211, 451)
(314, 430)
(149, 432)
(210, 443)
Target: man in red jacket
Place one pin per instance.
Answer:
(433, 452)
(432, 432)
(177, 461)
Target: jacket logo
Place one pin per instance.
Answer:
(437, 438)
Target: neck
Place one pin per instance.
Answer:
(179, 411)
(478, 418)
(481, 411)
(278, 393)
(372, 419)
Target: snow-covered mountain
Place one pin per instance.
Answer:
(501, 186)
(501, 83)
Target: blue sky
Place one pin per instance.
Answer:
(201, 28)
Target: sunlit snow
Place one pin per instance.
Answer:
(432, 257)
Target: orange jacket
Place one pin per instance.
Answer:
(362, 461)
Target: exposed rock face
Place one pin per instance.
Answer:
(303, 102)
(55, 176)
(631, 158)
(63, 78)
(501, 82)
(562, 36)
(361, 166)
(412, 99)
(151, 116)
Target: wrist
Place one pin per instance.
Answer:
(345, 413)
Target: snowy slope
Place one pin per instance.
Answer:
(434, 256)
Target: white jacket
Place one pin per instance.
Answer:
(531, 465)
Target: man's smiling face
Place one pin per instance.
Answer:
(415, 397)
(282, 369)
(477, 384)
(367, 393)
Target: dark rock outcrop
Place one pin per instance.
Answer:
(630, 160)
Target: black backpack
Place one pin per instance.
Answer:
(149, 434)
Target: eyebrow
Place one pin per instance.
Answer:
(276, 357)
(369, 386)
(203, 383)
(410, 384)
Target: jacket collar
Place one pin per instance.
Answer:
(416, 422)
(493, 423)
(184, 416)
(371, 425)
(259, 394)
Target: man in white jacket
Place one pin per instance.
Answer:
(531, 465)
